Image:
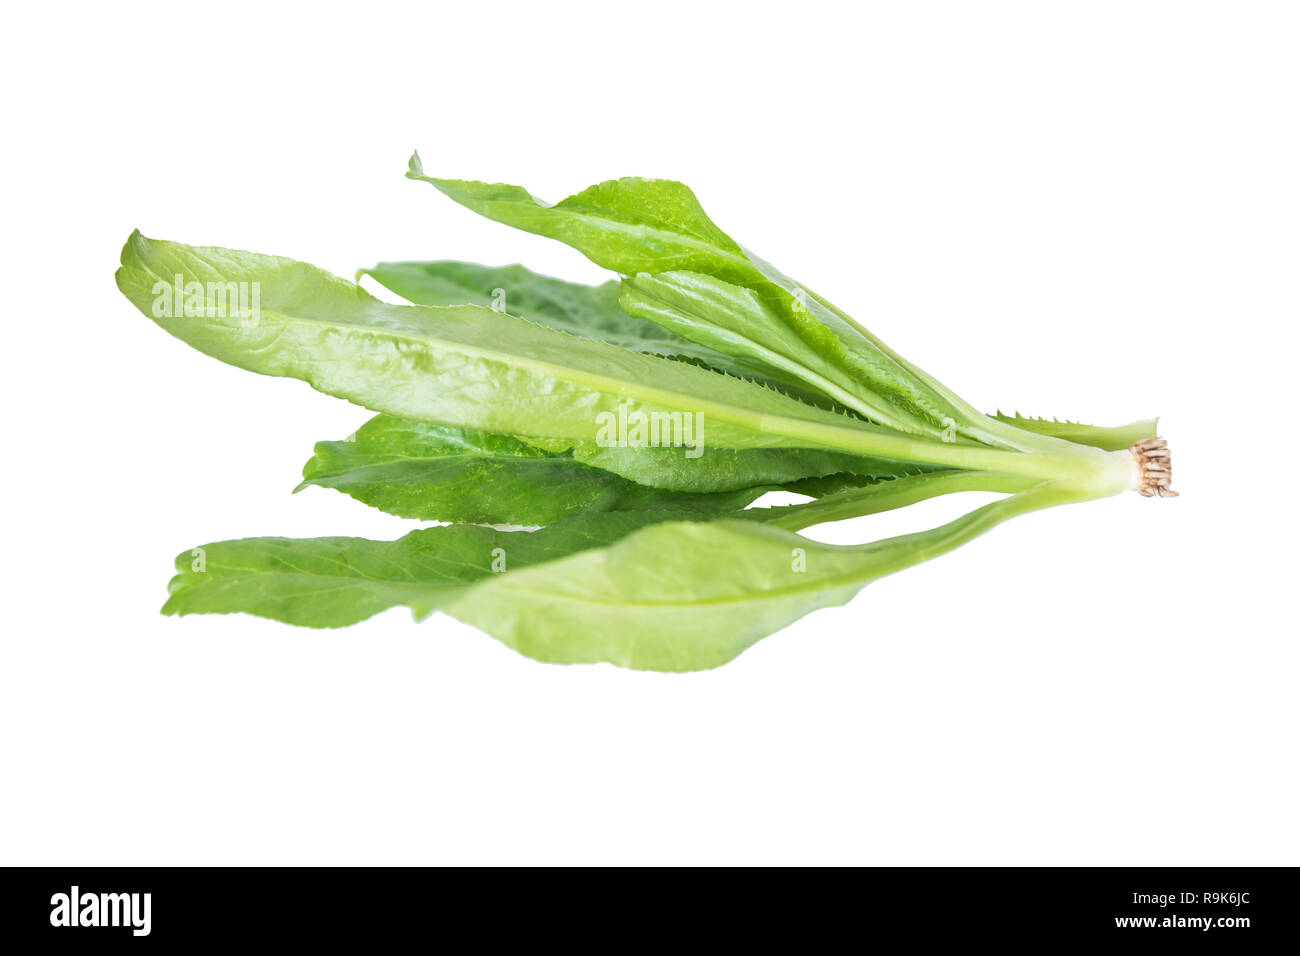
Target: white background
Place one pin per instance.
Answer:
(1088, 210)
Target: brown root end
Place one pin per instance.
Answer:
(1155, 468)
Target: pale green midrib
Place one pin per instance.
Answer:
(582, 377)
(932, 543)
(593, 381)
(853, 440)
(995, 435)
(901, 365)
(941, 390)
(859, 440)
(856, 440)
(887, 496)
(745, 264)
(226, 573)
(809, 376)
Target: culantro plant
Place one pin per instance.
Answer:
(630, 423)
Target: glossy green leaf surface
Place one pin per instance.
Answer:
(738, 320)
(636, 225)
(589, 311)
(691, 596)
(634, 421)
(469, 366)
(438, 473)
(628, 225)
(334, 582)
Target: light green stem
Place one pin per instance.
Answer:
(883, 496)
(1065, 461)
(908, 550)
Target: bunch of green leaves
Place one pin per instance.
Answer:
(497, 392)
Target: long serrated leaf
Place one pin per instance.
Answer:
(691, 596)
(438, 473)
(635, 225)
(1113, 438)
(334, 582)
(477, 368)
(738, 320)
(589, 311)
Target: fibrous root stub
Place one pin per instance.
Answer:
(1155, 466)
